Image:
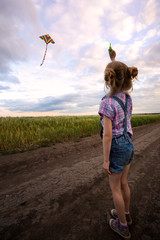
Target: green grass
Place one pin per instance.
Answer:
(27, 133)
(138, 120)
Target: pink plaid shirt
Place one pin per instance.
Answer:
(112, 109)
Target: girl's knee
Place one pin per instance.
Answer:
(115, 188)
(124, 185)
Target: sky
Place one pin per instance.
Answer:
(71, 80)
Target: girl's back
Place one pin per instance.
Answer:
(112, 109)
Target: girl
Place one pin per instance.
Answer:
(115, 110)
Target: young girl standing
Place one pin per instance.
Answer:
(116, 110)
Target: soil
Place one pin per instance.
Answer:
(62, 192)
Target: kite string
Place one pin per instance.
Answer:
(44, 55)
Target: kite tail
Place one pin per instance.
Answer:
(44, 55)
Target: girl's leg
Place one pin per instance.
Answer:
(125, 188)
(115, 184)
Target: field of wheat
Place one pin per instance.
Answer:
(26, 133)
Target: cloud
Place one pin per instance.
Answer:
(146, 93)
(18, 19)
(123, 26)
(149, 15)
(66, 103)
(151, 12)
(9, 78)
(4, 88)
(152, 54)
(79, 22)
(150, 34)
(15, 16)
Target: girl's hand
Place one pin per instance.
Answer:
(106, 167)
(112, 55)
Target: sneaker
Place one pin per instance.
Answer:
(113, 214)
(121, 230)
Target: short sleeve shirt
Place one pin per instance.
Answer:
(112, 109)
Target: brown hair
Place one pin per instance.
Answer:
(118, 77)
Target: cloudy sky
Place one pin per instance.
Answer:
(71, 79)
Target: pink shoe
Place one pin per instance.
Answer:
(121, 230)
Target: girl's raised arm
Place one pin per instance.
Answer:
(112, 53)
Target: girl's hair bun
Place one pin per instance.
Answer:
(109, 76)
(133, 72)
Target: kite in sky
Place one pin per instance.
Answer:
(47, 40)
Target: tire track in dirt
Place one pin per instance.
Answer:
(57, 195)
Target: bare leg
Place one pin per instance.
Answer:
(115, 184)
(125, 188)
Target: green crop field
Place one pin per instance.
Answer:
(26, 133)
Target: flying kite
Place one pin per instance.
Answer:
(47, 40)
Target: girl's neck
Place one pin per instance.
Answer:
(111, 93)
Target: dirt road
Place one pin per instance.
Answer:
(62, 192)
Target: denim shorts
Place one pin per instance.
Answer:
(121, 154)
